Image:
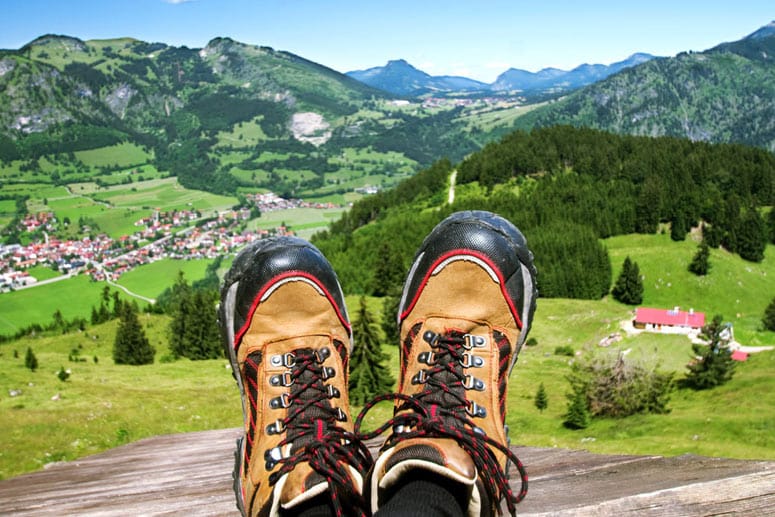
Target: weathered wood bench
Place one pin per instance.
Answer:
(191, 474)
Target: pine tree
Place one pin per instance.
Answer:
(193, 330)
(30, 361)
(389, 317)
(771, 225)
(713, 364)
(201, 339)
(577, 416)
(629, 287)
(768, 320)
(752, 236)
(678, 227)
(368, 374)
(131, 345)
(541, 400)
(700, 264)
(388, 271)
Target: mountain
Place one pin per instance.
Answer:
(724, 94)
(132, 85)
(561, 80)
(400, 78)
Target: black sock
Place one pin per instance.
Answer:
(318, 506)
(426, 494)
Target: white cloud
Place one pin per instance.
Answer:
(176, 2)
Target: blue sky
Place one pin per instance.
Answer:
(474, 38)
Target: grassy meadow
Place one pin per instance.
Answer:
(103, 405)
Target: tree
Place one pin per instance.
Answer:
(752, 236)
(678, 227)
(769, 316)
(30, 361)
(771, 225)
(131, 345)
(368, 374)
(541, 400)
(700, 265)
(193, 330)
(389, 316)
(629, 287)
(577, 416)
(712, 364)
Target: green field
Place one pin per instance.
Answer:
(303, 221)
(103, 405)
(736, 289)
(150, 280)
(74, 297)
(116, 156)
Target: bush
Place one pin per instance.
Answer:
(30, 361)
(564, 350)
(616, 388)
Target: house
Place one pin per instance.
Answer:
(668, 320)
(739, 355)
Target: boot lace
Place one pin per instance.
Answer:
(312, 427)
(441, 410)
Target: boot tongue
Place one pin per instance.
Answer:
(303, 483)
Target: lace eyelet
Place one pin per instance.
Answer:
(288, 360)
(471, 361)
(280, 402)
(420, 378)
(284, 379)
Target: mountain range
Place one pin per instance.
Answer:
(60, 94)
(400, 78)
(724, 94)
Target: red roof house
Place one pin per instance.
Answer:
(656, 319)
(739, 355)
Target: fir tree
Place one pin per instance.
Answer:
(200, 338)
(131, 345)
(768, 320)
(629, 287)
(700, 264)
(577, 416)
(30, 361)
(752, 237)
(388, 271)
(389, 317)
(678, 227)
(368, 374)
(771, 225)
(541, 400)
(713, 364)
(193, 330)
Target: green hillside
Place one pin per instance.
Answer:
(724, 94)
(103, 405)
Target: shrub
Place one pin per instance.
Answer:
(564, 350)
(30, 361)
(617, 388)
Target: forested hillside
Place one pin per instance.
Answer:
(566, 188)
(725, 94)
(220, 118)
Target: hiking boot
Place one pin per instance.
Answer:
(288, 338)
(466, 308)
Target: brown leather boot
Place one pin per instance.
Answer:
(467, 305)
(287, 334)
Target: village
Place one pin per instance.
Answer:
(175, 234)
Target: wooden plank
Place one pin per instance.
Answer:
(191, 474)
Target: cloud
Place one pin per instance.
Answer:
(176, 2)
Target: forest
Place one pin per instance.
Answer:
(567, 188)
